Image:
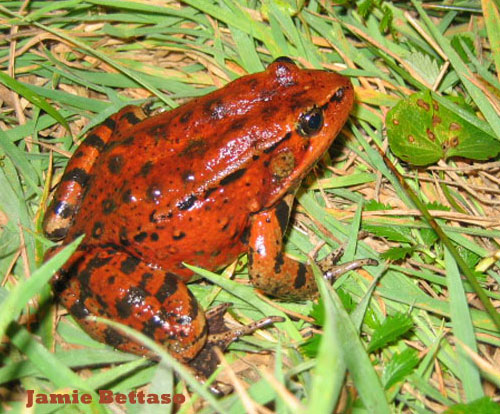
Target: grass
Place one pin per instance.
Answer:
(410, 333)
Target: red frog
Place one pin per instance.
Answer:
(200, 184)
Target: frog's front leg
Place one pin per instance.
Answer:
(112, 284)
(273, 272)
(66, 202)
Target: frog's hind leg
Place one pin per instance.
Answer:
(112, 284)
(66, 201)
(273, 272)
(269, 269)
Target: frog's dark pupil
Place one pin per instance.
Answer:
(314, 122)
(310, 122)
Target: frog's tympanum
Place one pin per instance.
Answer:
(200, 184)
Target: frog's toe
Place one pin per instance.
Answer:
(332, 271)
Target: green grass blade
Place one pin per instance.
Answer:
(35, 99)
(491, 15)
(25, 290)
(357, 361)
(330, 364)
(462, 329)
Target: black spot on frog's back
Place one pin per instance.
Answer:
(186, 116)
(115, 164)
(108, 206)
(146, 168)
(187, 202)
(178, 235)
(78, 310)
(129, 265)
(97, 230)
(234, 176)
(195, 147)
(140, 237)
(300, 279)
(216, 109)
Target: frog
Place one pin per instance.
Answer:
(201, 184)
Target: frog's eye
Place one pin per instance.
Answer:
(310, 122)
(285, 59)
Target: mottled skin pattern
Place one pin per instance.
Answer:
(200, 184)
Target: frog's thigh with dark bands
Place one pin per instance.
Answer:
(114, 285)
(74, 182)
(270, 270)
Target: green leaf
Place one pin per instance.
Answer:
(469, 257)
(429, 237)
(437, 206)
(424, 65)
(400, 366)
(346, 299)
(393, 328)
(365, 8)
(397, 234)
(480, 406)
(397, 253)
(462, 71)
(386, 21)
(318, 309)
(318, 312)
(421, 131)
(374, 205)
(311, 346)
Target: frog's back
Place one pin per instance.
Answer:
(180, 186)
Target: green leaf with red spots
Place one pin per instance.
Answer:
(421, 131)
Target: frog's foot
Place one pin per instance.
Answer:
(110, 283)
(220, 336)
(331, 270)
